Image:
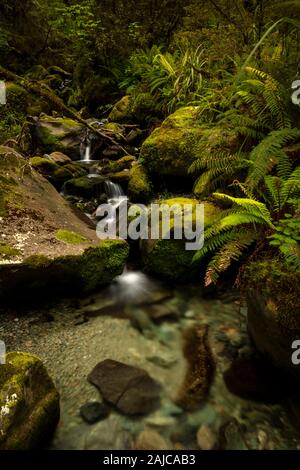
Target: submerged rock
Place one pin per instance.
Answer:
(206, 438)
(94, 411)
(109, 435)
(29, 403)
(231, 436)
(128, 388)
(200, 369)
(151, 440)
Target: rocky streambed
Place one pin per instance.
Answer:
(192, 352)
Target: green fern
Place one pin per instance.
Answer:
(269, 153)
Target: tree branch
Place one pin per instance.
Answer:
(57, 102)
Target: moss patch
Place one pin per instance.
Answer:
(121, 112)
(44, 165)
(280, 289)
(7, 251)
(71, 238)
(29, 403)
(39, 277)
(85, 187)
(171, 148)
(170, 258)
(139, 189)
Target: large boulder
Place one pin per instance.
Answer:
(57, 173)
(59, 134)
(85, 186)
(273, 295)
(169, 258)
(29, 403)
(47, 247)
(172, 147)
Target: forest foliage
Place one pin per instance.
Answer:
(176, 53)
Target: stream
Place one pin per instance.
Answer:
(72, 337)
(141, 322)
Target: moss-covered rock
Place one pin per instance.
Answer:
(41, 277)
(120, 177)
(10, 172)
(171, 148)
(85, 186)
(170, 258)
(29, 403)
(56, 174)
(59, 134)
(139, 189)
(17, 101)
(273, 295)
(60, 158)
(69, 237)
(123, 163)
(144, 108)
(117, 130)
(141, 108)
(7, 251)
(121, 112)
(43, 165)
(32, 215)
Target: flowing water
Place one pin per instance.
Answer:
(115, 323)
(142, 323)
(87, 153)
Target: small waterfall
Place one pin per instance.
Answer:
(87, 153)
(113, 190)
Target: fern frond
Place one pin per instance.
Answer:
(291, 187)
(252, 207)
(273, 184)
(264, 155)
(231, 251)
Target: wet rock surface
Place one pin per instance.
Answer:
(94, 411)
(222, 420)
(130, 389)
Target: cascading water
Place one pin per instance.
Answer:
(132, 287)
(87, 153)
(115, 197)
(113, 190)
